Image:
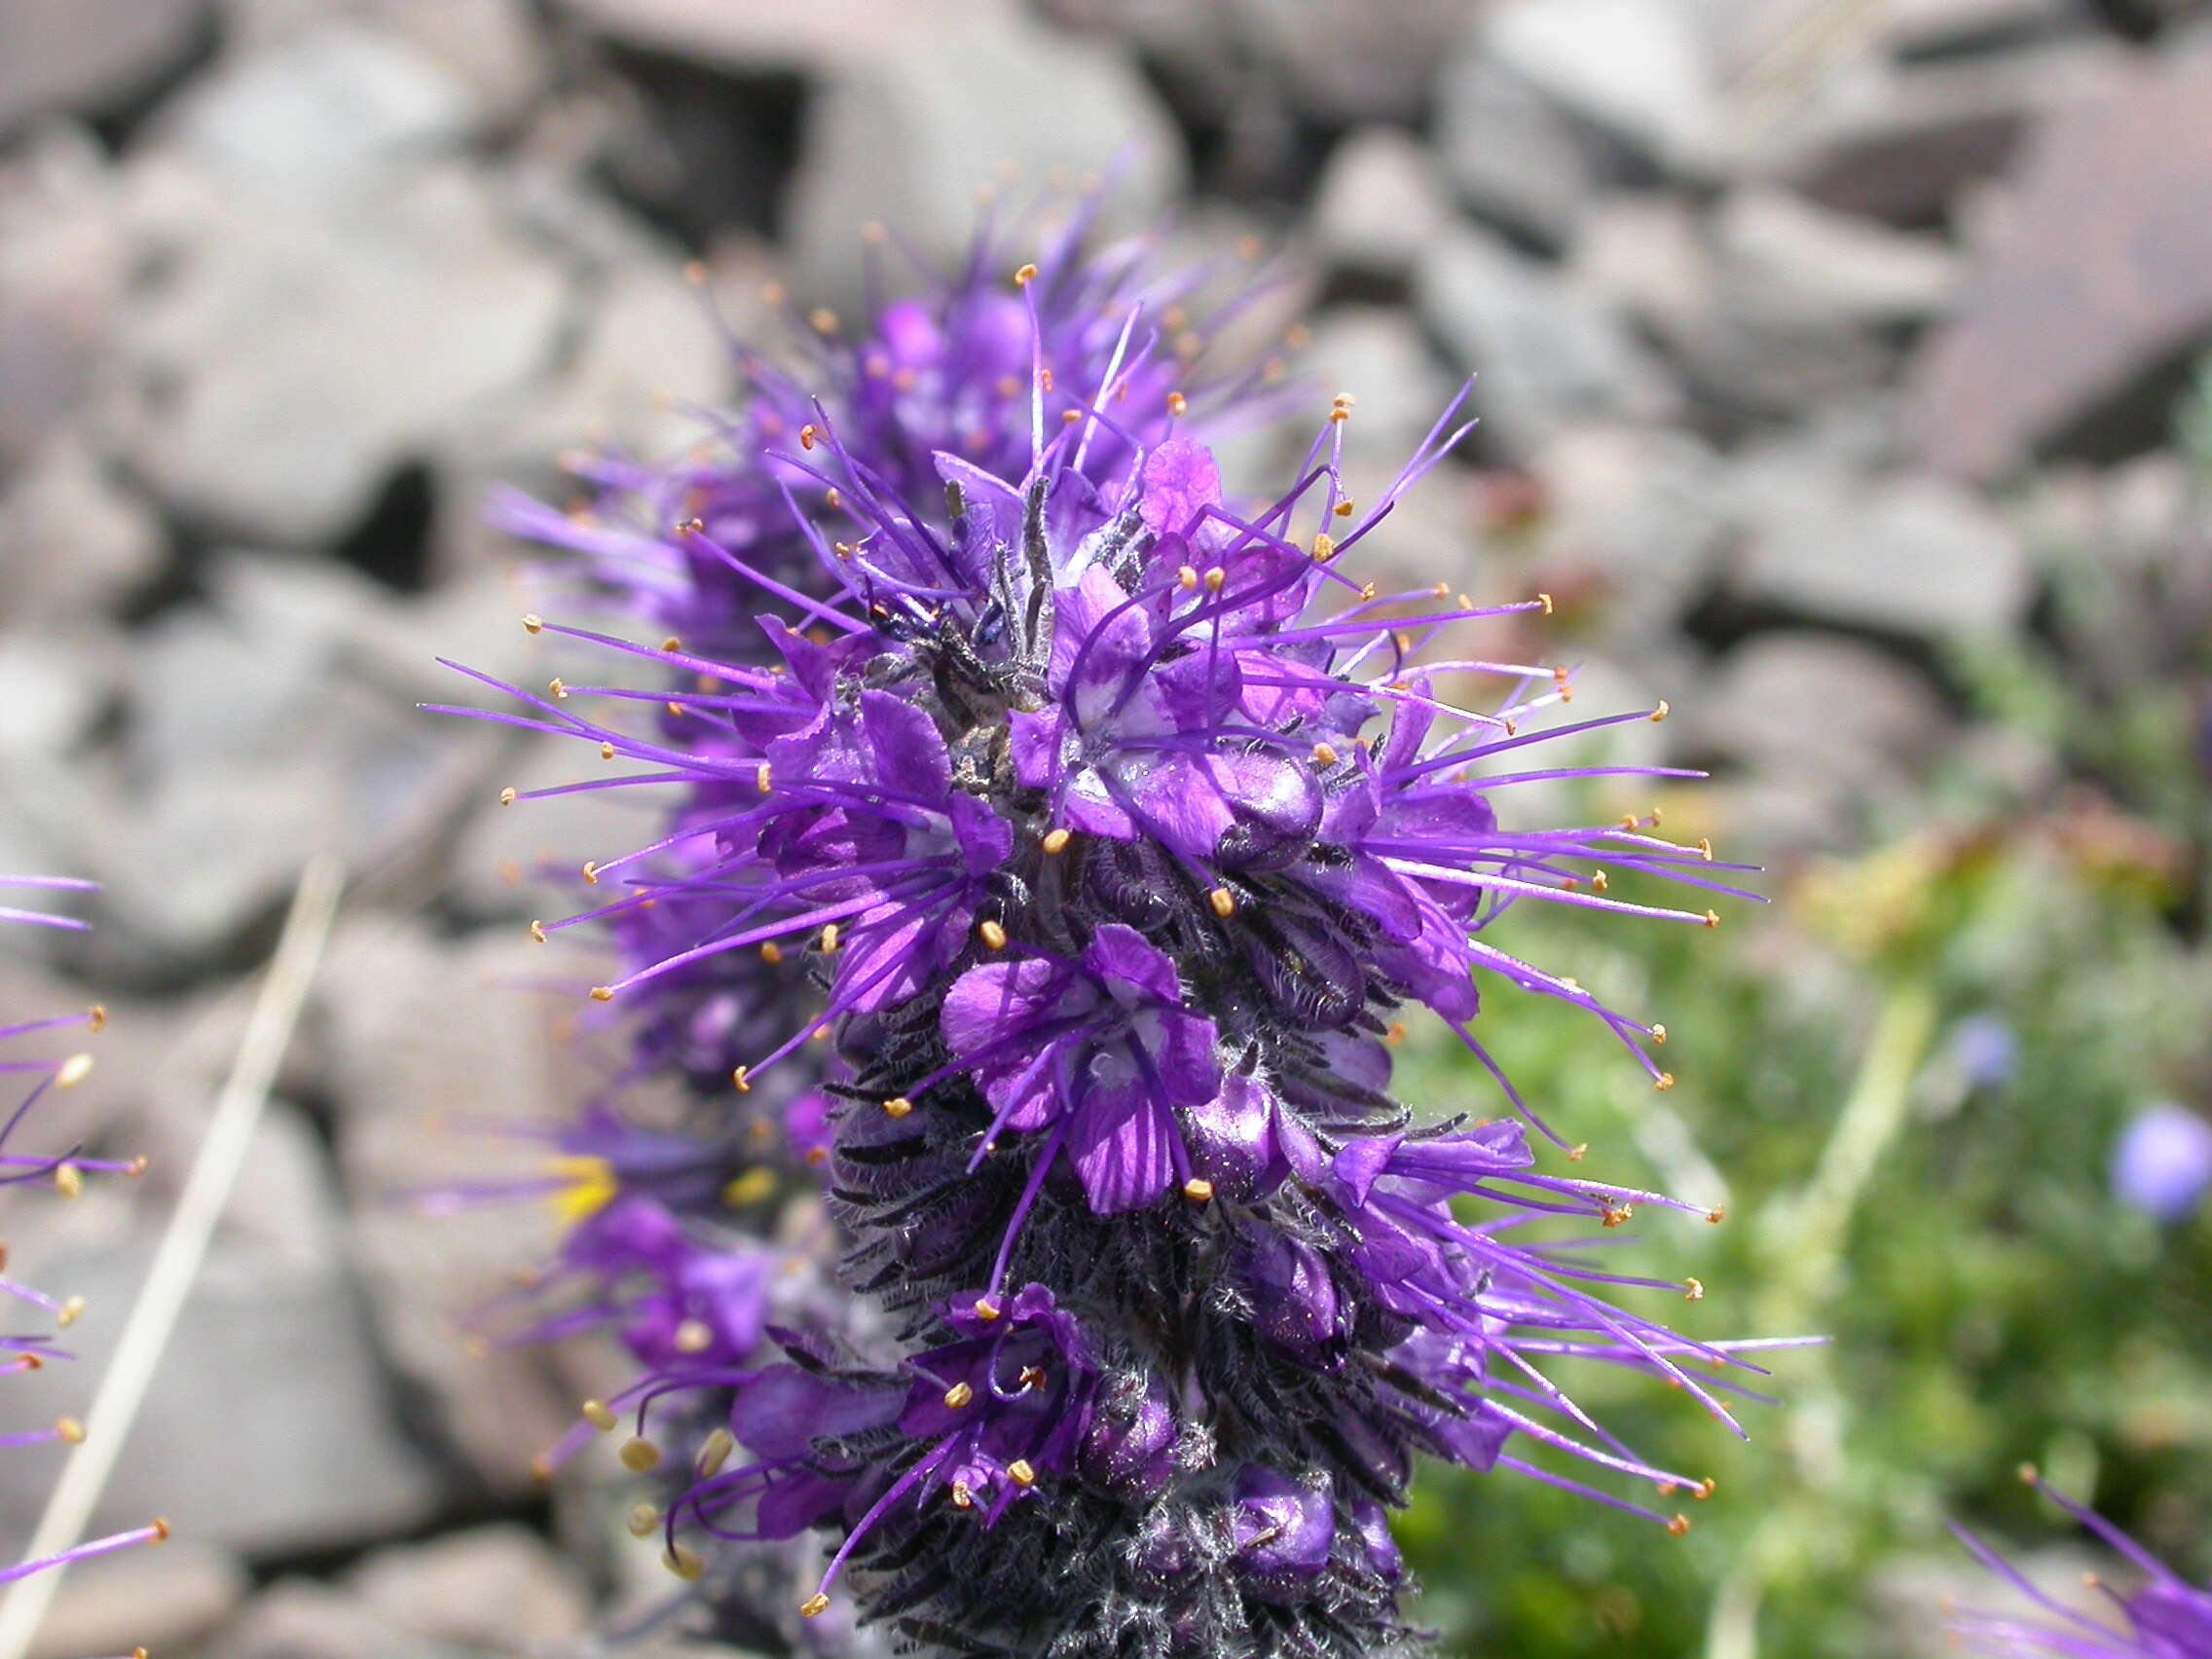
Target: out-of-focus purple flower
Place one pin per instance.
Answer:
(2166, 1617)
(50, 1073)
(2163, 1162)
(1986, 1050)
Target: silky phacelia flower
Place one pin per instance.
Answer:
(1112, 824)
(2165, 1617)
(49, 1073)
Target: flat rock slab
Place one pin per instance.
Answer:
(2101, 280)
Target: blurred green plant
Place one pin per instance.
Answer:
(1904, 1080)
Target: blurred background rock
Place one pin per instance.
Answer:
(1841, 371)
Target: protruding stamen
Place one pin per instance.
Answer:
(599, 1416)
(815, 1605)
(1021, 1473)
(1223, 902)
(639, 1455)
(958, 1396)
(642, 1520)
(1055, 841)
(1197, 1189)
(993, 934)
(898, 1106)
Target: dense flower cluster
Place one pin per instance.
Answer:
(2166, 1617)
(1098, 828)
(65, 1171)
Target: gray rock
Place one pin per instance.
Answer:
(1644, 253)
(1641, 69)
(273, 1319)
(166, 1598)
(1828, 265)
(1379, 202)
(331, 109)
(496, 1588)
(924, 110)
(1543, 354)
(420, 1033)
(1377, 68)
(73, 539)
(1512, 156)
(294, 359)
(812, 39)
(63, 264)
(1908, 552)
(495, 48)
(297, 734)
(297, 1618)
(91, 57)
(1644, 511)
(1378, 355)
(1825, 729)
(2099, 283)
(1901, 143)
(521, 861)
(54, 687)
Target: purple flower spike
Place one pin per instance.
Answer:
(2163, 1162)
(1086, 828)
(2165, 1617)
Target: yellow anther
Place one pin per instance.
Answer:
(715, 1454)
(1659, 1035)
(1660, 713)
(69, 1429)
(692, 1336)
(1057, 842)
(1704, 848)
(1693, 1289)
(1663, 1081)
(1325, 754)
(642, 1520)
(1705, 1488)
(828, 943)
(537, 932)
(962, 1496)
(1679, 1525)
(73, 1071)
(741, 1079)
(994, 934)
(1177, 403)
(823, 319)
(69, 1312)
(1020, 1473)
(1578, 1152)
(1216, 579)
(559, 689)
(591, 873)
(1545, 599)
(1031, 1377)
(533, 623)
(639, 1455)
(1598, 881)
(607, 751)
(603, 993)
(771, 952)
(684, 1562)
(1025, 276)
(508, 796)
(986, 1309)
(1324, 546)
(599, 1416)
(1713, 918)
(815, 1605)
(958, 1396)
(1197, 1189)
(96, 1017)
(898, 1106)
(1717, 1214)
(763, 775)
(751, 1188)
(1344, 507)
(1223, 902)
(806, 435)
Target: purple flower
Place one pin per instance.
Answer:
(1110, 824)
(1986, 1050)
(2163, 1162)
(1099, 1051)
(2165, 1617)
